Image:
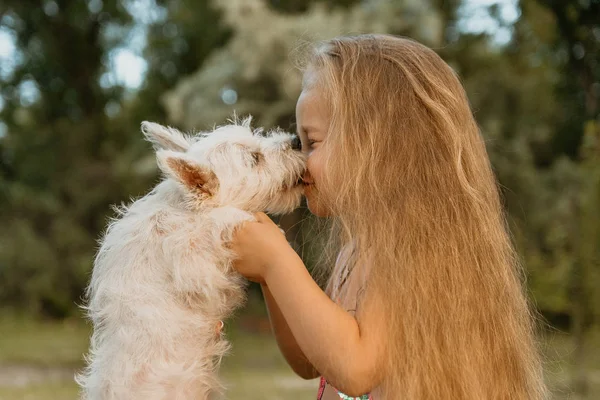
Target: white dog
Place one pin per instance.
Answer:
(163, 277)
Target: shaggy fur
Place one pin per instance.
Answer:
(162, 279)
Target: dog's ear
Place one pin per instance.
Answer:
(165, 138)
(197, 178)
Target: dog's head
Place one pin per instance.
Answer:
(233, 166)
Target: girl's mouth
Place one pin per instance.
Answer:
(298, 183)
(306, 181)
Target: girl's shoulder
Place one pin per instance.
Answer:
(347, 282)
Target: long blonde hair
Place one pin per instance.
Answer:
(413, 185)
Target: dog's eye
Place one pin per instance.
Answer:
(257, 158)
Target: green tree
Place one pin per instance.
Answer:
(537, 102)
(72, 146)
(56, 176)
(577, 26)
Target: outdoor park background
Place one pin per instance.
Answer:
(78, 76)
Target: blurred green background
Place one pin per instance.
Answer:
(78, 76)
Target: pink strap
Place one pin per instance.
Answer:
(321, 389)
(322, 385)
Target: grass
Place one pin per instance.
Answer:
(25, 341)
(49, 391)
(38, 359)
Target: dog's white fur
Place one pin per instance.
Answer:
(163, 277)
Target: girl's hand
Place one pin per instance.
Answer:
(258, 245)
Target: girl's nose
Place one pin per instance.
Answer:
(296, 144)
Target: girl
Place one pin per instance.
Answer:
(426, 299)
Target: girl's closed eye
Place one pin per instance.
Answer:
(312, 142)
(309, 144)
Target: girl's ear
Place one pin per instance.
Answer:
(194, 176)
(165, 138)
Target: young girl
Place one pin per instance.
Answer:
(426, 299)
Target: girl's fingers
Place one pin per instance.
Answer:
(261, 217)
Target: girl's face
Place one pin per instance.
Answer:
(312, 120)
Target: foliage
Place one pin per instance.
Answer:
(72, 146)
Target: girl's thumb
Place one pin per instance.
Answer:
(262, 217)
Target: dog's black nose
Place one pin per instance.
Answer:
(296, 143)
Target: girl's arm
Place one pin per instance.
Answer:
(349, 355)
(285, 339)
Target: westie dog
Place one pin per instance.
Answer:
(163, 277)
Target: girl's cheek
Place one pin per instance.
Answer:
(311, 166)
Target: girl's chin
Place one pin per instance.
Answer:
(313, 203)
